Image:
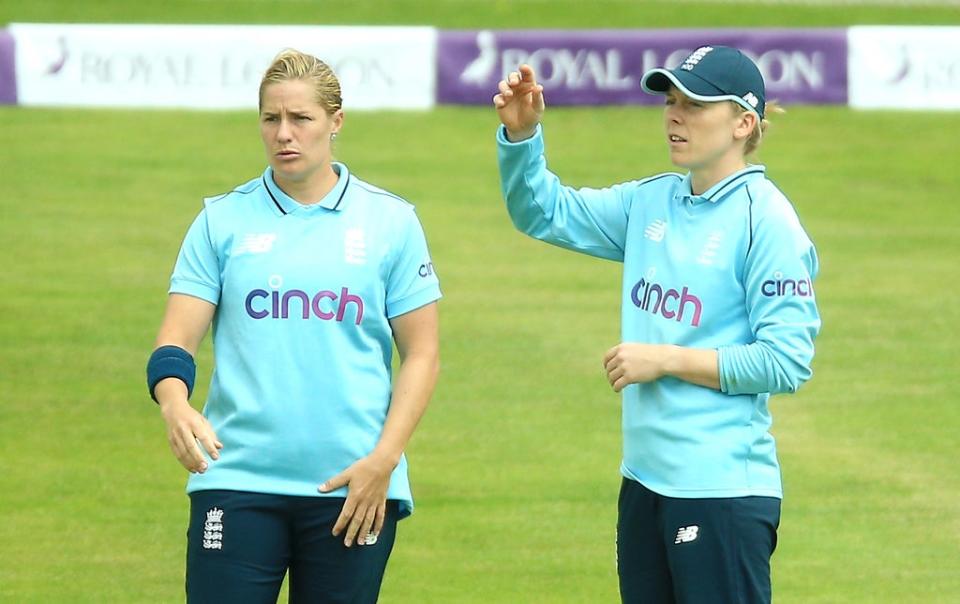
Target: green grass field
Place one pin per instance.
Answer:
(515, 465)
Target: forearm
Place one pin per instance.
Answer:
(171, 392)
(694, 365)
(521, 164)
(761, 367)
(412, 390)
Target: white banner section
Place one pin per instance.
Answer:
(904, 67)
(216, 67)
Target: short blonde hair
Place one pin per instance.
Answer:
(753, 141)
(292, 64)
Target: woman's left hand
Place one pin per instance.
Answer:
(363, 512)
(634, 363)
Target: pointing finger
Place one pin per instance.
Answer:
(527, 75)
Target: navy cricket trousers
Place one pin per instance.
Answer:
(694, 551)
(241, 544)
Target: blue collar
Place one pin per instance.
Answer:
(720, 190)
(287, 205)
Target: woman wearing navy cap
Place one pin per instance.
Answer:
(718, 313)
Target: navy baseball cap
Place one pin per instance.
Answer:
(710, 74)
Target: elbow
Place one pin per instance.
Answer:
(788, 375)
(526, 217)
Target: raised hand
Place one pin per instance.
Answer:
(520, 103)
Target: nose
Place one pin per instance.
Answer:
(283, 131)
(672, 114)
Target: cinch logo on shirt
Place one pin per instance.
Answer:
(279, 305)
(778, 286)
(426, 269)
(651, 298)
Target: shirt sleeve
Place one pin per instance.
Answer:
(412, 279)
(197, 271)
(590, 221)
(780, 267)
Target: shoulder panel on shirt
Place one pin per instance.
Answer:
(374, 190)
(245, 189)
(768, 201)
(772, 213)
(652, 185)
(655, 177)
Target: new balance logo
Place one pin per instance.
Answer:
(655, 231)
(213, 529)
(255, 243)
(686, 534)
(354, 247)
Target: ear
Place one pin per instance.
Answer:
(337, 120)
(746, 123)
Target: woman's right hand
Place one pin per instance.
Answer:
(187, 430)
(520, 103)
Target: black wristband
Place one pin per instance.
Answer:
(170, 361)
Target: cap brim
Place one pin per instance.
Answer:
(658, 81)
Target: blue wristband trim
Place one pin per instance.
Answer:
(171, 361)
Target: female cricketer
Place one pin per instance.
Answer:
(308, 275)
(718, 313)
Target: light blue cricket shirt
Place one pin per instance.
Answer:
(301, 337)
(731, 269)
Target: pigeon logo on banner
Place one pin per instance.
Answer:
(478, 72)
(56, 65)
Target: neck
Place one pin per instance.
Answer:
(706, 176)
(311, 188)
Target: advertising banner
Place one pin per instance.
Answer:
(904, 67)
(8, 73)
(584, 67)
(216, 67)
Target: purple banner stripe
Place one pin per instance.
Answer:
(603, 67)
(8, 75)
